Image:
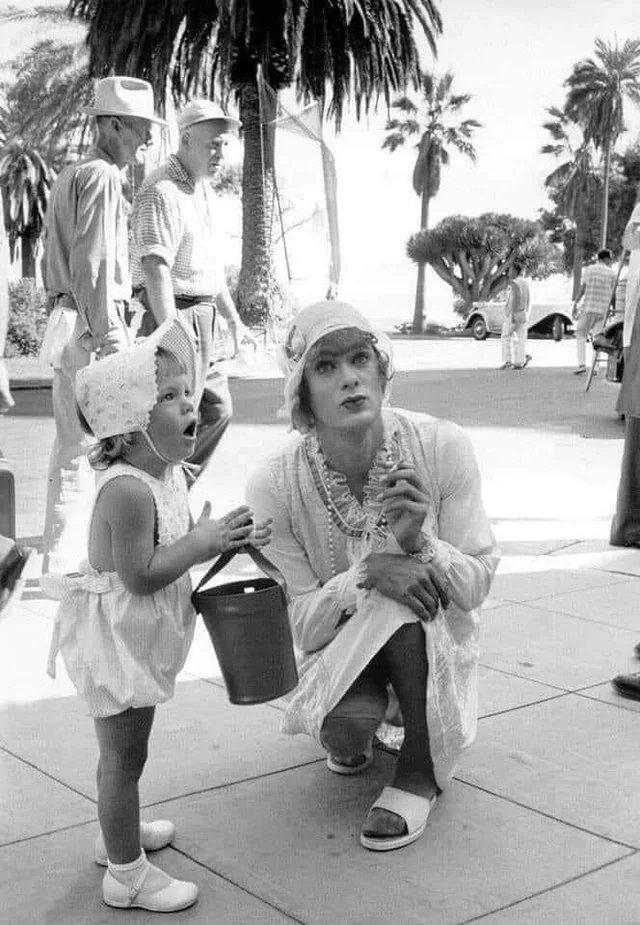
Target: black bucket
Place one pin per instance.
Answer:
(248, 624)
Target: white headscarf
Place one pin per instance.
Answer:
(310, 325)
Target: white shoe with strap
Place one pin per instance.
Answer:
(151, 889)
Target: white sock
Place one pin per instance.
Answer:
(128, 873)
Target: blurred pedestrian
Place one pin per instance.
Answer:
(625, 527)
(86, 274)
(6, 401)
(514, 327)
(177, 259)
(598, 284)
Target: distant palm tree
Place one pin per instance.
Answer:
(575, 179)
(434, 121)
(332, 52)
(597, 90)
(25, 180)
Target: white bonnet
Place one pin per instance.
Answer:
(116, 394)
(310, 325)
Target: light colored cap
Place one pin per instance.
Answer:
(310, 325)
(117, 394)
(205, 111)
(123, 96)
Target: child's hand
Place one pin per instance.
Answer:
(261, 534)
(229, 532)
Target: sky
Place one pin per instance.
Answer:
(512, 56)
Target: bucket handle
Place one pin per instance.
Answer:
(259, 559)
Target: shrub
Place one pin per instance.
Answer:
(27, 318)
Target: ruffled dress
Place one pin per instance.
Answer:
(320, 534)
(120, 649)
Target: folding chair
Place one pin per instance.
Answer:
(611, 310)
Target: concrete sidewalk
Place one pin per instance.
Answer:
(540, 824)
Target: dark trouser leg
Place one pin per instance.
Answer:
(625, 527)
(348, 730)
(405, 659)
(406, 664)
(215, 408)
(214, 416)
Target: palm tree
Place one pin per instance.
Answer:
(597, 90)
(25, 181)
(438, 134)
(359, 49)
(575, 179)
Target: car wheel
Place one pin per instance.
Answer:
(479, 328)
(557, 327)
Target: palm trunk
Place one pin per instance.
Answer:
(605, 194)
(258, 295)
(419, 308)
(28, 246)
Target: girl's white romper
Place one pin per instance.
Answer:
(121, 649)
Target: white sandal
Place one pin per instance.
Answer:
(410, 807)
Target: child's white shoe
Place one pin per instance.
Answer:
(151, 889)
(153, 836)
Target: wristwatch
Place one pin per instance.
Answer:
(426, 549)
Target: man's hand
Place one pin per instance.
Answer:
(406, 581)
(6, 401)
(405, 504)
(240, 335)
(114, 340)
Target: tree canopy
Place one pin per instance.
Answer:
(345, 50)
(597, 89)
(475, 256)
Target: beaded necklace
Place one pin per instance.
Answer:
(353, 519)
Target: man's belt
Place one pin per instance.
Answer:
(187, 301)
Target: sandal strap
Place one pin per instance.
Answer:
(409, 806)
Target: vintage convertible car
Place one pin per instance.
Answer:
(551, 318)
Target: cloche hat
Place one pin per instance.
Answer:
(123, 96)
(205, 111)
(309, 326)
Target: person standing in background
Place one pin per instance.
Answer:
(177, 260)
(513, 340)
(598, 284)
(86, 274)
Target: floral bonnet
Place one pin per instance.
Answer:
(117, 394)
(310, 325)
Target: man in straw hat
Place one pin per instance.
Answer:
(86, 273)
(176, 258)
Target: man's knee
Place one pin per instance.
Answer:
(346, 736)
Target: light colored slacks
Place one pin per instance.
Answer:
(513, 341)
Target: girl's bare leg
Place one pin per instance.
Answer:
(123, 741)
(406, 663)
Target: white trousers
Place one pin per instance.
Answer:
(71, 480)
(589, 321)
(513, 341)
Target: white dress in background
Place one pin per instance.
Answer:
(320, 534)
(121, 649)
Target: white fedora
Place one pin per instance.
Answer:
(123, 96)
(205, 111)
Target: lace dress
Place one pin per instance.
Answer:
(121, 649)
(320, 534)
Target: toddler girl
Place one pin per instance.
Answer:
(125, 621)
